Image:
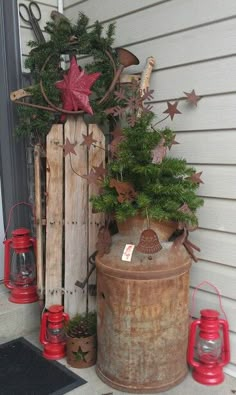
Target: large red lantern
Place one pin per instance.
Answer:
(52, 334)
(209, 349)
(20, 266)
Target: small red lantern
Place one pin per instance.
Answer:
(52, 334)
(20, 266)
(209, 350)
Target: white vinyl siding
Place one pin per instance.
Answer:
(26, 33)
(193, 42)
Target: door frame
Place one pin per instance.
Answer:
(13, 165)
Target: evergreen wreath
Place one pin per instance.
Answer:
(66, 40)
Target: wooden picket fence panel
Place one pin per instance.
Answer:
(71, 227)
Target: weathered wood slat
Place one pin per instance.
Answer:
(76, 211)
(38, 219)
(53, 283)
(96, 157)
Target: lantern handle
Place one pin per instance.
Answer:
(10, 214)
(194, 294)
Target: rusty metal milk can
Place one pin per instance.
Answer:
(142, 318)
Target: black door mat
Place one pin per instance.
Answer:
(24, 371)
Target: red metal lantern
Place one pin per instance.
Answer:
(20, 267)
(209, 349)
(52, 334)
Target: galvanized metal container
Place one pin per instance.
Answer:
(142, 318)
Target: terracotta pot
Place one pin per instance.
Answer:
(133, 227)
(82, 352)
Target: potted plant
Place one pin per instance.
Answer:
(144, 185)
(81, 340)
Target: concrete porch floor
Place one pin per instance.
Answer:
(95, 386)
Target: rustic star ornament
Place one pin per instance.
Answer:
(125, 190)
(75, 88)
(88, 140)
(117, 132)
(172, 109)
(196, 177)
(68, 147)
(92, 177)
(173, 142)
(100, 171)
(192, 97)
(159, 152)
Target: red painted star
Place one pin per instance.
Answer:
(68, 147)
(192, 97)
(75, 88)
(88, 140)
(172, 109)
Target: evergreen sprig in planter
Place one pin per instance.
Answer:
(81, 340)
(142, 180)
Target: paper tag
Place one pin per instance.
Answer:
(127, 253)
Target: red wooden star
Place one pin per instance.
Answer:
(192, 97)
(75, 88)
(68, 147)
(196, 177)
(88, 140)
(172, 109)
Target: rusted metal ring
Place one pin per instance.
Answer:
(59, 109)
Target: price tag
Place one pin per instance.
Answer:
(127, 253)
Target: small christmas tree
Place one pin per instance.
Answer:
(141, 179)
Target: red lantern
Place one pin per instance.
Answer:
(209, 350)
(52, 334)
(20, 267)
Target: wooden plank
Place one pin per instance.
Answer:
(151, 22)
(186, 47)
(54, 209)
(212, 77)
(75, 217)
(219, 181)
(217, 214)
(221, 276)
(197, 147)
(215, 112)
(215, 246)
(38, 220)
(96, 157)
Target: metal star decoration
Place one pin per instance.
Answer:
(75, 88)
(172, 109)
(68, 147)
(192, 97)
(88, 140)
(92, 177)
(196, 178)
(100, 171)
(173, 142)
